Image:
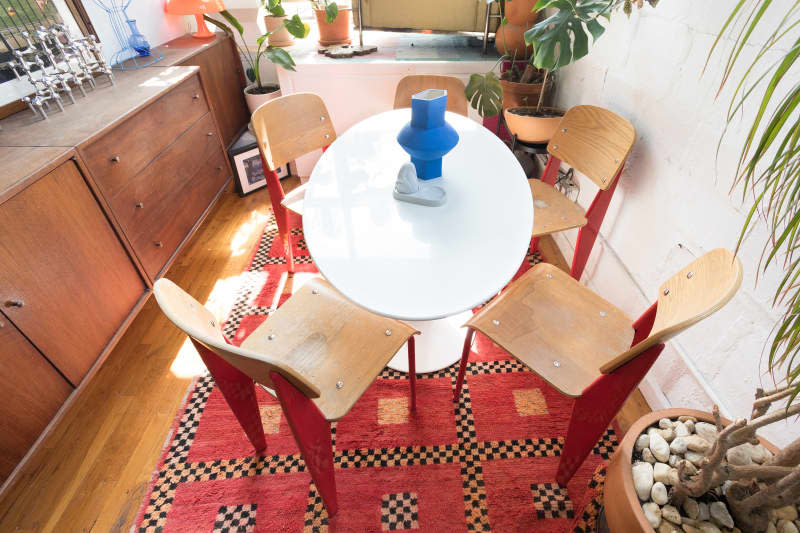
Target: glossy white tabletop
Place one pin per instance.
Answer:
(409, 261)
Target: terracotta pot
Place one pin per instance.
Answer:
(520, 12)
(256, 100)
(336, 33)
(281, 37)
(623, 509)
(532, 129)
(520, 94)
(510, 39)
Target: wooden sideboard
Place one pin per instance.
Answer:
(95, 203)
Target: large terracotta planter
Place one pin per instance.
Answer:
(520, 12)
(510, 40)
(520, 94)
(338, 32)
(623, 509)
(256, 100)
(281, 37)
(532, 129)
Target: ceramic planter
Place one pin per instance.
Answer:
(520, 12)
(427, 138)
(510, 40)
(338, 32)
(531, 129)
(623, 510)
(281, 37)
(256, 100)
(520, 94)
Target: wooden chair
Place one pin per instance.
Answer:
(411, 85)
(286, 128)
(595, 142)
(318, 351)
(590, 350)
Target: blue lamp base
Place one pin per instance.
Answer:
(428, 168)
(427, 138)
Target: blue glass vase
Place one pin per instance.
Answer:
(137, 40)
(427, 138)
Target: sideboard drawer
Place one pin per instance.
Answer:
(119, 155)
(159, 207)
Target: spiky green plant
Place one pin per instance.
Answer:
(769, 160)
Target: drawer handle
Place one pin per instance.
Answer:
(15, 303)
(139, 205)
(210, 133)
(159, 244)
(196, 97)
(115, 159)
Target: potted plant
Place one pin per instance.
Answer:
(685, 470)
(333, 21)
(258, 92)
(517, 17)
(274, 21)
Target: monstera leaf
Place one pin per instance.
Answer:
(485, 93)
(297, 27)
(562, 38)
(331, 11)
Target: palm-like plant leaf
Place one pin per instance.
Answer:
(485, 93)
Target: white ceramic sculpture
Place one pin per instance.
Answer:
(408, 188)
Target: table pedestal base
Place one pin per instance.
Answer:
(438, 346)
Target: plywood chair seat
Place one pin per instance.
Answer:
(328, 339)
(294, 199)
(554, 211)
(411, 85)
(589, 349)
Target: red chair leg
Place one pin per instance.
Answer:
(239, 392)
(313, 435)
(462, 368)
(597, 407)
(412, 371)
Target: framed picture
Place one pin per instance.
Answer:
(246, 162)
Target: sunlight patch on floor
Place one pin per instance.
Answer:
(242, 240)
(187, 364)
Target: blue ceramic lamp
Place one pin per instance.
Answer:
(427, 138)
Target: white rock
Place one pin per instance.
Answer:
(641, 443)
(691, 508)
(740, 455)
(772, 514)
(784, 526)
(694, 457)
(786, 513)
(708, 527)
(679, 445)
(674, 460)
(653, 513)
(665, 423)
(672, 477)
(643, 480)
(684, 418)
(667, 527)
(648, 456)
(681, 430)
(706, 430)
(689, 469)
(659, 447)
(689, 425)
(720, 515)
(659, 493)
(771, 528)
(668, 512)
(690, 529)
(697, 443)
(703, 515)
(660, 472)
(759, 454)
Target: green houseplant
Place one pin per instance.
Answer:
(259, 92)
(274, 21)
(333, 21)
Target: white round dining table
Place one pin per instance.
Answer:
(428, 266)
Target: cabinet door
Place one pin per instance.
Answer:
(222, 80)
(65, 279)
(32, 393)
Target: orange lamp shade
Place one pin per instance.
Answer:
(197, 8)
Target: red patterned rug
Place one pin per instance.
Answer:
(487, 463)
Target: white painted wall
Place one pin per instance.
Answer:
(673, 203)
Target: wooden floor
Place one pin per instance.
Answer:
(91, 472)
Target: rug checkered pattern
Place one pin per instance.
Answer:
(477, 454)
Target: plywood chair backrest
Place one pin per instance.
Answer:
(696, 292)
(594, 141)
(197, 322)
(291, 126)
(411, 85)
